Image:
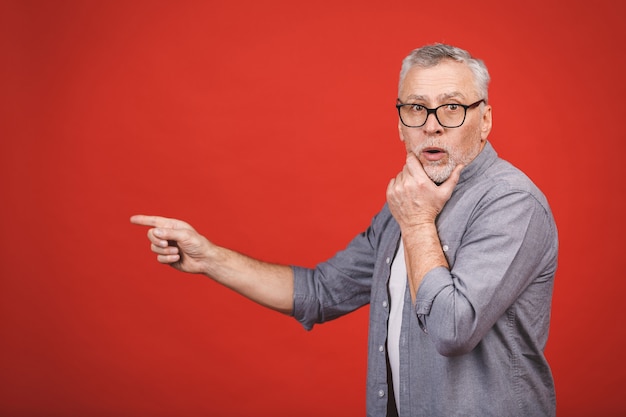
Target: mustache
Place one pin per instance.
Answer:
(432, 144)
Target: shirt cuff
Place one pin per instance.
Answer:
(433, 283)
(304, 310)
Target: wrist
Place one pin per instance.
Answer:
(418, 225)
(214, 256)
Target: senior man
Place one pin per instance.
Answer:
(458, 266)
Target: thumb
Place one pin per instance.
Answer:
(456, 172)
(168, 234)
(453, 179)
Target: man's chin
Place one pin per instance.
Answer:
(439, 174)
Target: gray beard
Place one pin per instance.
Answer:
(439, 172)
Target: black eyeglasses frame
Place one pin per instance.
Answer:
(465, 107)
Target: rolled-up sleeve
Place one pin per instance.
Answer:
(343, 283)
(510, 243)
(335, 287)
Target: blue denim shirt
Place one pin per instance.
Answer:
(473, 342)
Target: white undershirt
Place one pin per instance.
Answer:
(397, 290)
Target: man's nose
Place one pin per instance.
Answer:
(432, 124)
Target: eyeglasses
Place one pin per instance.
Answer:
(448, 115)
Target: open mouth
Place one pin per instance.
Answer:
(433, 150)
(433, 154)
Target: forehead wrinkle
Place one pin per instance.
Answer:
(441, 97)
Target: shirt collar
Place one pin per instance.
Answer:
(479, 164)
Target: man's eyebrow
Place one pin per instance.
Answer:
(454, 94)
(416, 97)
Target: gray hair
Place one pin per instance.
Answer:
(430, 55)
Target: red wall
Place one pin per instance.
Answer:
(270, 126)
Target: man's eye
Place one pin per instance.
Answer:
(416, 108)
(452, 107)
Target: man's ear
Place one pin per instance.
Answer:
(400, 131)
(486, 123)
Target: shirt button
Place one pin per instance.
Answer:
(381, 393)
(381, 348)
(388, 260)
(385, 304)
(445, 248)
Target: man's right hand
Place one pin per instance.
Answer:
(176, 243)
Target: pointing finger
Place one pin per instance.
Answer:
(158, 221)
(143, 220)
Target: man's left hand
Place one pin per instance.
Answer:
(414, 199)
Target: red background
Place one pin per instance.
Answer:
(270, 127)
